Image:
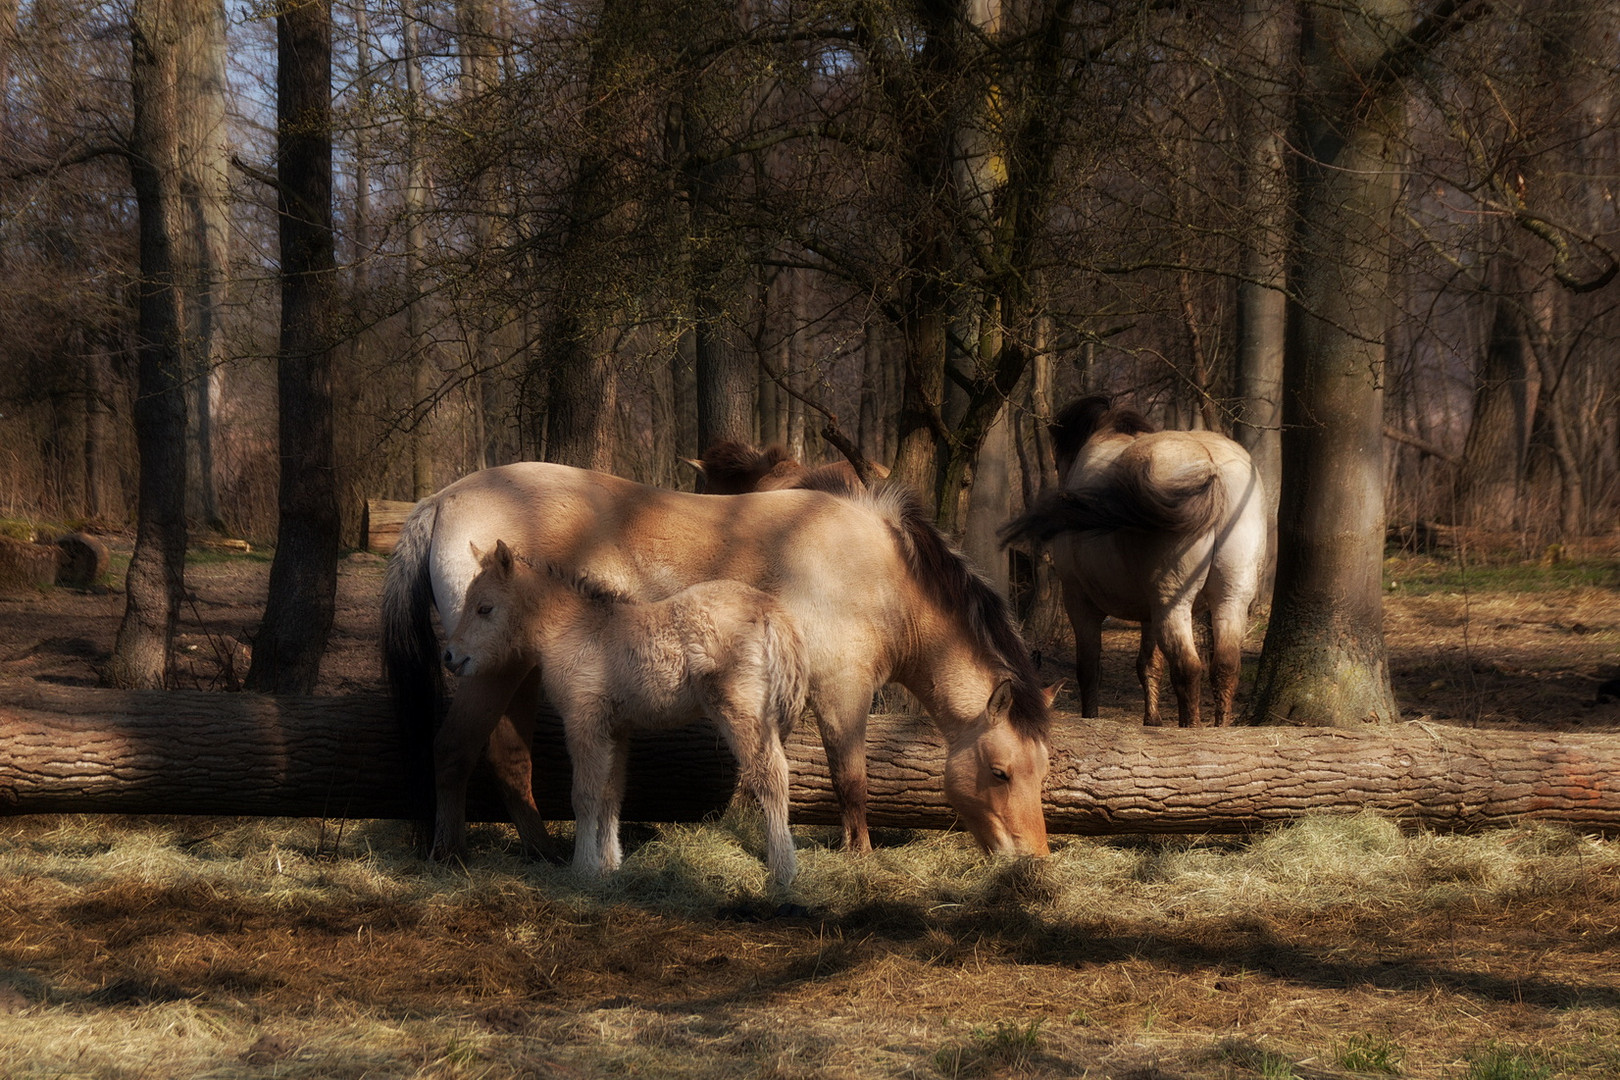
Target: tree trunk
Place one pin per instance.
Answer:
(1494, 452)
(70, 750)
(205, 189)
(303, 577)
(423, 380)
(143, 653)
(1324, 657)
(1262, 293)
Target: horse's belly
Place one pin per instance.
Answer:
(1127, 576)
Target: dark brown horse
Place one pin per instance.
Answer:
(1150, 526)
(734, 468)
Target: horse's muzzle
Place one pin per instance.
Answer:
(455, 666)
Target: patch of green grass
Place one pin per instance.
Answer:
(1421, 577)
(1007, 1045)
(1497, 1062)
(1266, 1064)
(1371, 1054)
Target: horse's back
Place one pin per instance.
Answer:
(652, 542)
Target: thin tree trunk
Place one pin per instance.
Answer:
(72, 750)
(205, 188)
(143, 653)
(1268, 40)
(423, 374)
(303, 576)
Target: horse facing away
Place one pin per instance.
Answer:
(734, 468)
(876, 593)
(1150, 526)
(611, 666)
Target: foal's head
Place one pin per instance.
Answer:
(734, 468)
(494, 613)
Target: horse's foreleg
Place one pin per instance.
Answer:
(474, 711)
(599, 762)
(511, 757)
(1087, 622)
(841, 716)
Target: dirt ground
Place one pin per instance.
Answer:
(981, 971)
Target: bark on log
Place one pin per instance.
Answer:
(380, 523)
(107, 751)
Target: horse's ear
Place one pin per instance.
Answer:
(503, 557)
(1051, 692)
(695, 463)
(478, 556)
(1001, 699)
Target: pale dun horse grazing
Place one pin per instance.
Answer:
(1151, 526)
(611, 665)
(876, 592)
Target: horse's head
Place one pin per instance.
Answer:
(994, 774)
(734, 468)
(490, 627)
(1079, 420)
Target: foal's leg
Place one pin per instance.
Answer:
(1087, 622)
(762, 770)
(841, 716)
(599, 760)
(474, 711)
(511, 757)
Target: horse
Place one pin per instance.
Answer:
(734, 468)
(876, 592)
(1151, 526)
(612, 665)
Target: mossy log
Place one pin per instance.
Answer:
(80, 750)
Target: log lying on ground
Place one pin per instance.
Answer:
(105, 751)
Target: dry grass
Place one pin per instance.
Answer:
(1334, 947)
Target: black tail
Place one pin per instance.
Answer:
(411, 654)
(1187, 505)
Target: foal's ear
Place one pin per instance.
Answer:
(1051, 692)
(478, 556)
(504, 557)
(1001, 699)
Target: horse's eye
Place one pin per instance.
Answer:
(485, 609)
(1000, 774)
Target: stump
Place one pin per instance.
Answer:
(81, 562)
(26, 566)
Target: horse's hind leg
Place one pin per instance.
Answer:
(1228, 624)
(1087, 622)
(511, 757)
(1150, 673)
(474, 711)
(1175, 641)
(762, 769)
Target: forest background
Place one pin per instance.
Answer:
(612, 234)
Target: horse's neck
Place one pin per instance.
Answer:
(556, 613)
(945, 672)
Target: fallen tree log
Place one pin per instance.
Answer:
(141, 752)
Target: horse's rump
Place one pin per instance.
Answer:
(1131, 494)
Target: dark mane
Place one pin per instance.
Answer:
(835, 478)
(731, 468)
(594, 590)
(1079, 420)
(957, 586)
